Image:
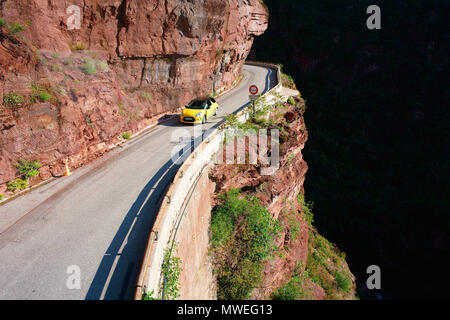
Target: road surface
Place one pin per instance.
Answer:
(97, 220)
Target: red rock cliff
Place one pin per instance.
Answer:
(305, 265)
(129, 62)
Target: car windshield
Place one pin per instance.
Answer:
(197, 104)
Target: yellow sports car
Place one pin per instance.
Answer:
(199, 110)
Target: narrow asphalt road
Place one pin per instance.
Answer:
(97, 220)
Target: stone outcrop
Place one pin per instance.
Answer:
(279, 193)
(129, 63)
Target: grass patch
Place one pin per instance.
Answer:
(295, 288)
(16, 28)
(56, 68)
(126, 135)
(289, 159)
(2, 196)
(289, 215)
(39, 93)
(326, 266)
(89, 67)
(343, 281)
(291, 101)
(13, 100)
(44, 96)
(89, 121)
(122, 109)
(76, 47)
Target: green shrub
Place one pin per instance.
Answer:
(290, 291)
(294, 225)
(242, 234)
(39, 94)
(291, 156)
(55, 67)
(2, 22)
(287, 81)
(1, 197)
(77, 47)
(89, 121)
(44, 96)
(88, 67)
(126, 135)
(27, 168)
(170, 271)
(15, 28)
(17, 184)
(12, 100)
(231, 119)
(149, 296)
(291, 101)
(343, 281)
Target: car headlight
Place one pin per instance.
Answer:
(198, 114)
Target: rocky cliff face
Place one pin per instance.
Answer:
(305, 265)
(130, 62)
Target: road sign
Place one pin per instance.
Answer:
(253, 89)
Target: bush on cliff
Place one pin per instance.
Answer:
(27, 168)
(17, 184)
(242, 234)
(89, 67)
(12, 100)
(15, 28)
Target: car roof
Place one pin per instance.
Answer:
(201, 99)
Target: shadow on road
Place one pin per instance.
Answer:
(137, 224)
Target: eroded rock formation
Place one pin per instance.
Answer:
(130, 62)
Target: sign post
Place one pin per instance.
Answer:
(253, 97)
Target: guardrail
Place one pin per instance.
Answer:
(150, 273)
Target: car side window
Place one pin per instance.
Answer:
(213, 100)
(209, 103)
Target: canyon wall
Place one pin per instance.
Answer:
(129, 63)
(303, 264)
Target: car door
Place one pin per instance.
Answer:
(215, 105)
(209, 109)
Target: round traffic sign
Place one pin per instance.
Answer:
(253, 89)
